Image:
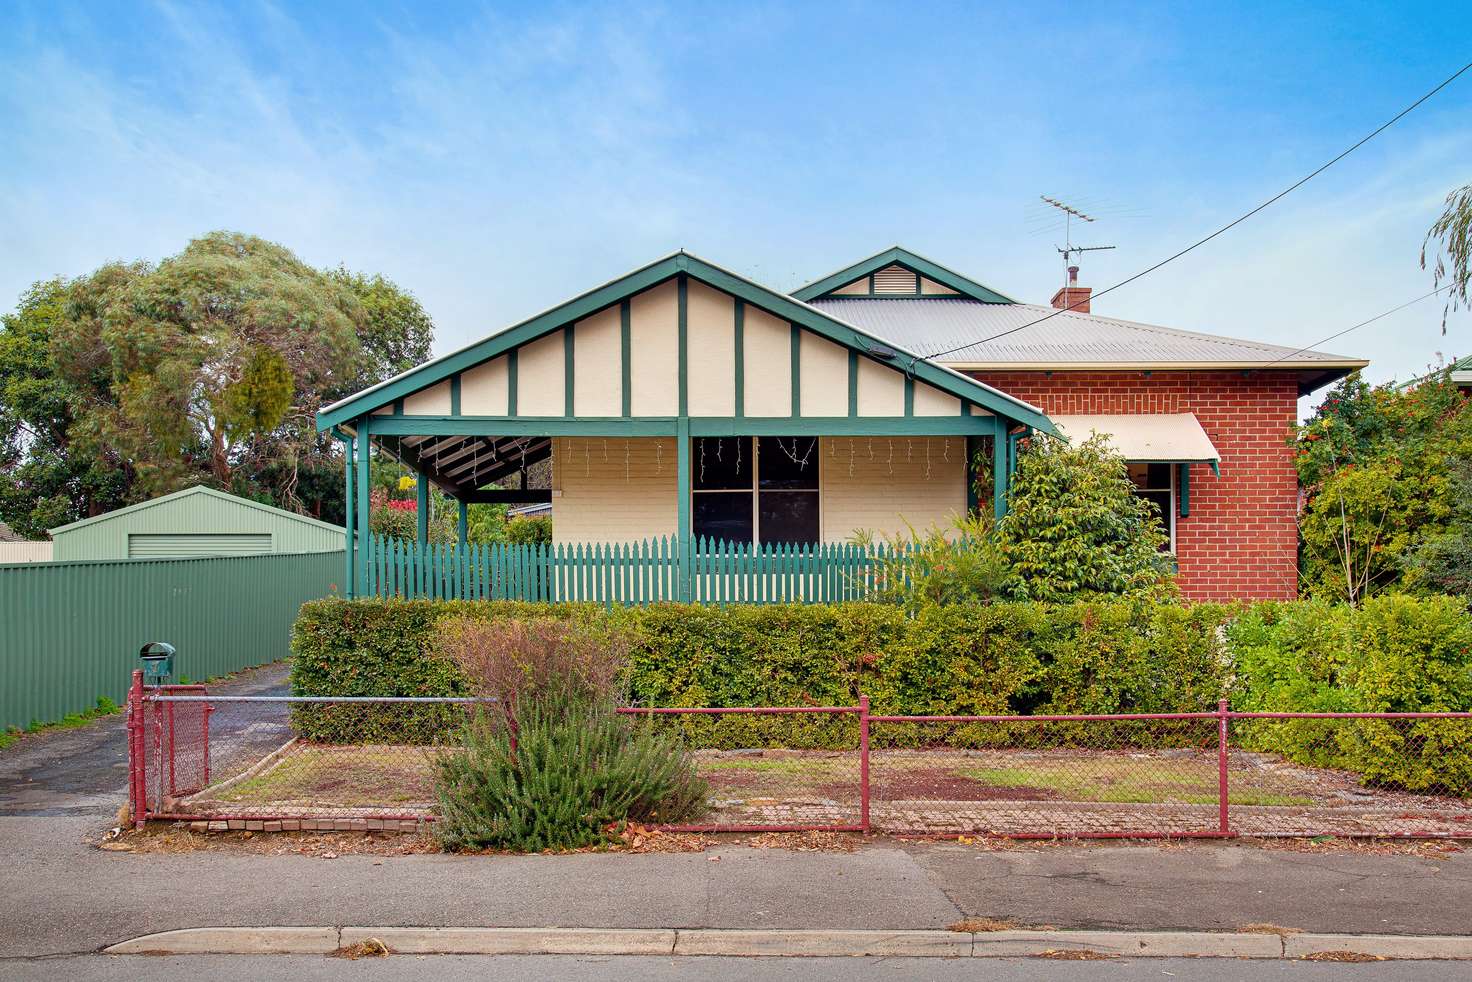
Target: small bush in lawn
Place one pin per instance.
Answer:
(551, 764)
(568, 770)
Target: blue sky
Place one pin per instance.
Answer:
(498, 158)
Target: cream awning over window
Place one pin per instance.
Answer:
(1175, 438)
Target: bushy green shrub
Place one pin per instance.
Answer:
(1076, 528)
(567, 773)
(922, 568)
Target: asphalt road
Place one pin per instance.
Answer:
(84, 771)
(537, 968)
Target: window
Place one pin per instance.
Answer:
(756, 490)
(1156, 484)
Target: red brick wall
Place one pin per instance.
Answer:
(1241, 539)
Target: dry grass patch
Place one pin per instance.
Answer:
(982, 925)
(367, 948)
(1074, 955)
(1279, 930)
(1342, 956)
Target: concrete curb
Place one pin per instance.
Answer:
(769, 943)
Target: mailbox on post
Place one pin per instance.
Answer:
(158, 662)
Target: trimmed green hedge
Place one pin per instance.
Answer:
(1394, 654)
(952, 660)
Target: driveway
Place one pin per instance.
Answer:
(84, 771)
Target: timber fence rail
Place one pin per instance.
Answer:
(366, 763)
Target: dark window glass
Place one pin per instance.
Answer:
(789, 462)
(722, 463)
(789, 516)
(1155, 477)
(1161, 501)
(723, 515)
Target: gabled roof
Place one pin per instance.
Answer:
(963, 334)
(200, 490)
(778, 304)
(898, 256)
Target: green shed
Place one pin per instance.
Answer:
(197, 521)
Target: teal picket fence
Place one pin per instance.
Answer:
(70, 631)
(650, 571)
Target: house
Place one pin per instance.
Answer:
(1204, 420)
(685, 403)
(197, 521)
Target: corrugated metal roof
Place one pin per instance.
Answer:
(938, 324)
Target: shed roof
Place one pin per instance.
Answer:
(198, 489)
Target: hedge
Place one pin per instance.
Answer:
(1396, 653)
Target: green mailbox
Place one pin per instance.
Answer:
(158, 662)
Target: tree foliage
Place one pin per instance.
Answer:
(1449, 242)
(207, 367)
(43, 482)
(1378, 467)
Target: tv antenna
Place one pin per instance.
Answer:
(1068, 249)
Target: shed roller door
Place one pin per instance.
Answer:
(173, 544)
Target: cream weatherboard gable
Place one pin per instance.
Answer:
(649, 370)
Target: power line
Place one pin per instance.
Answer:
(1230, 225)
(1340, 334)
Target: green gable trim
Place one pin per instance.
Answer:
(853, 382)
(897, 256)
(740, 359)
(796, 370)
(568, 342)
(511, 373)
(389, 426)
(682, 295)
(626, 345)
(783, 307)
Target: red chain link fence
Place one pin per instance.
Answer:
(303, 762)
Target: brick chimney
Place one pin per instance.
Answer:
(1073, 296)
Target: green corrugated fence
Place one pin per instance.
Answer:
(70, 631)
(625, 573)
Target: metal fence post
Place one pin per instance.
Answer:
(137, 798)
(864, 762)
(1224, 823)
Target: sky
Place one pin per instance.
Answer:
(496, 159)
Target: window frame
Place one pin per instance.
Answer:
(752, 449)
(1172, 514)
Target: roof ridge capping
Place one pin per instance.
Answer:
(899, 255)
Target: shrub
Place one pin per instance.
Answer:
(522, 660)
(1412, 655)
(529, 531)
(922, 569)
(570, 772)
(1075, 526)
